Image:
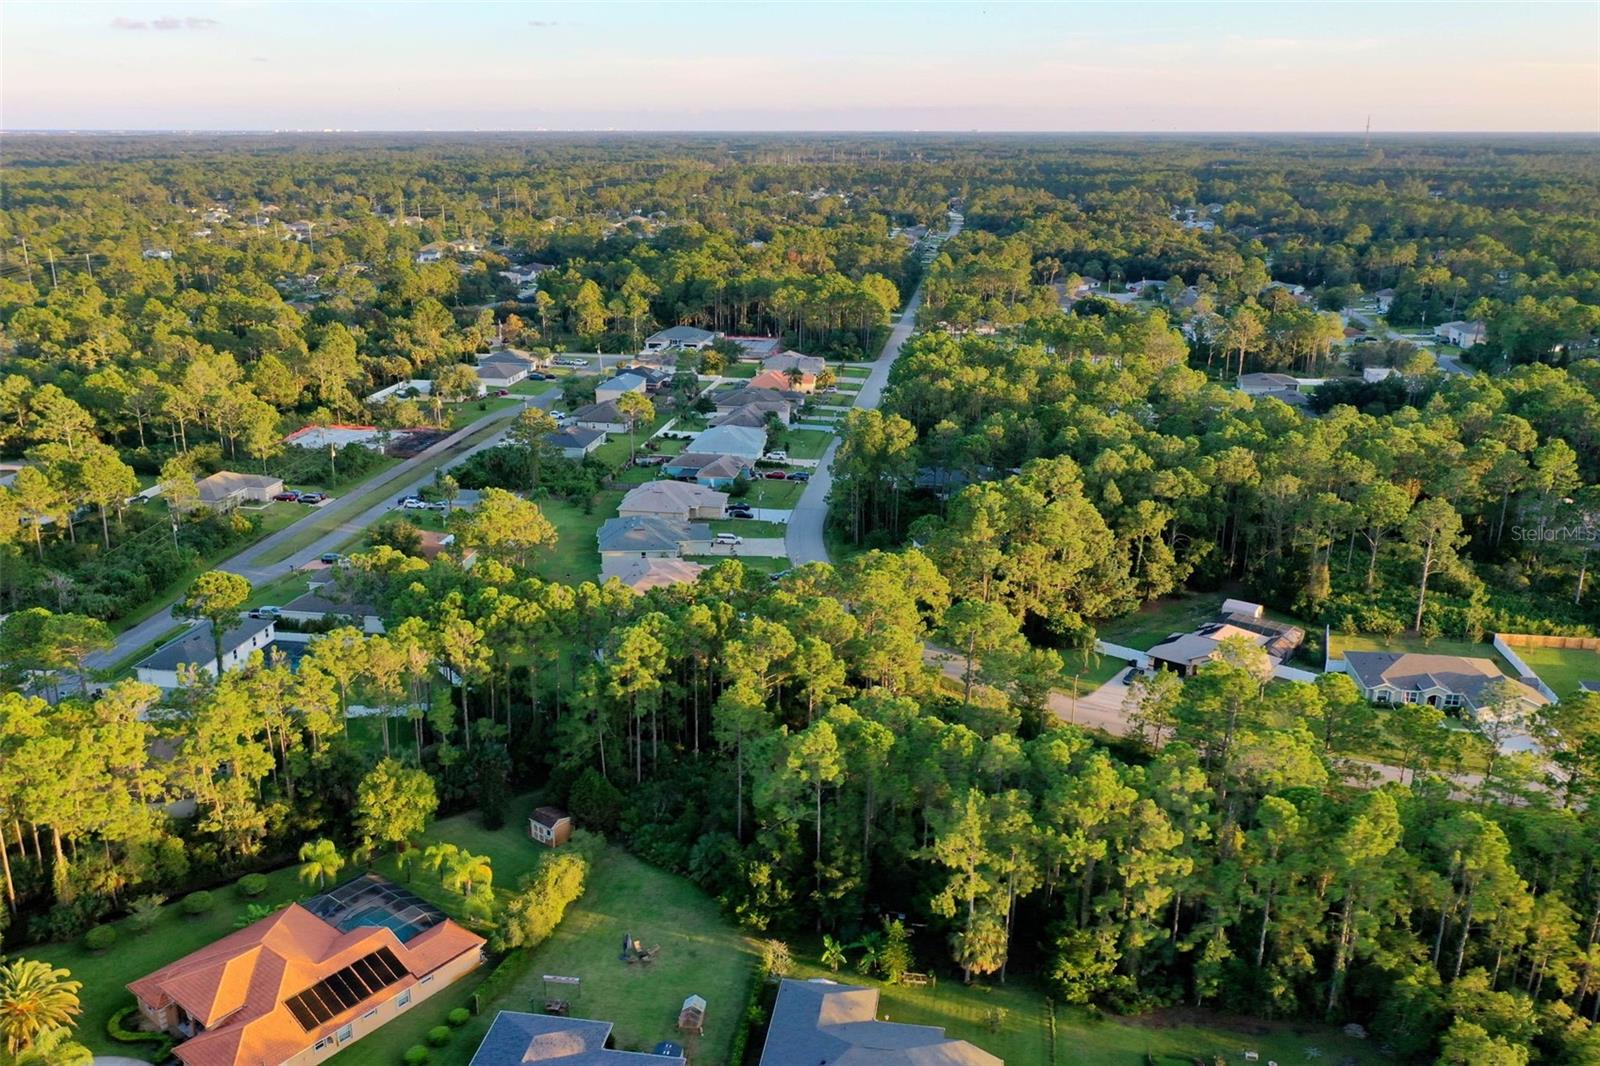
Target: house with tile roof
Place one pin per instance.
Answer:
(301, 984)
(818, 1021)
(642, 575)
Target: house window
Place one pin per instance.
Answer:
(345, 1033)
(403, 999)
(1452, 699)
(425, 980)
(324, 1042)
(373, 1013)
(1411, 697)
(1384, 696)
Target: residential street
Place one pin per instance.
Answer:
(398, 481)
(804, 535)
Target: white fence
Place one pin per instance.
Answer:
(1138, 658)
(1523, 671)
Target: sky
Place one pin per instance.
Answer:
(1158, 67)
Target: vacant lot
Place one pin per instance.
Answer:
(575, 557)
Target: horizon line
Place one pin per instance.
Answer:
(967, 132)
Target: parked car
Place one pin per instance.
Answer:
(729, 538)
(740, 514)
(266, 612)
(559, 416)
(414, 504)
(502, 392)
(738, 507)
(778, 575)
(1133, 672)
(331, 557)
(312, 497)
(440, 505)
(829, 388)
(776, 475)
(800, 475)
(776, 457)
(287, 497)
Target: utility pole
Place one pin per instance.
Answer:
(26, 262)
(88, 266)
(51, 253)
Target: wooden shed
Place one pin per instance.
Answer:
(550, 826)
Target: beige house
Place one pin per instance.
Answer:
(1444, 681)
(682, 500)
(226, 489)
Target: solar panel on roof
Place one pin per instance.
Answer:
(343, 989)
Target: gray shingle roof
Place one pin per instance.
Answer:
(819, 1023)
(1410, 671)
(644, 533)
(518, 1039)
(195, 646)
(681, 335)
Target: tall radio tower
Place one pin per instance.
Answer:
(1367, 143)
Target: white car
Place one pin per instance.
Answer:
(776, 457)
(729, 538)
(415, 504)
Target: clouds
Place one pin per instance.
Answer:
(167, 22)
(543, 24)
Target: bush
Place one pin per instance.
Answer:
(415, 1055)
(116, 1031)
(100, 938)
(439, 1035)
(197, 903)
(458, 1017)
(252, 885)
(145, 912)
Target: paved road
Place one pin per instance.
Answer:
(804, 535)
(398, 481)
(1450, 364)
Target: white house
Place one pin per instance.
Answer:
(1446, 681)
(226, 489)
(1460, 334)
(575, 442)
(604, 417)
(158, 253)
(1383, 298)
(679, 337)
(196, 648)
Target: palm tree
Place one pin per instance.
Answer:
(35, 998)
(468, 871)
(320, 861)
(833, 955)
(55, 1048)
(439, 858)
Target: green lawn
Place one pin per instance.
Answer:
(575, 557)
(804, 443)
(472, 410)
(778, 495)
(1562, 668)
(741, 370)
(1153, 623)
(1022, 1037)
(1084, 673)
(748, 527)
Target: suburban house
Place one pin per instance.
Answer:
(434, 542)
(575, 442)
(525, 274)
(306, 981)
(1185, 653)
(602, 416)
(315, 607)
(196, 648)
(708, 468)
(746, 442)
(226, 489)
(684, 337)
(655, 378)
(1283, 387)
(511, 355)
(735, 398)
(1371, 375)
(642, 575)
(809, 367)
(618, 387)
(646, 536)
(683, 501)
(519, 1039)
(757, 349)
(550, 826)
(1460, 334)
(1446, 681)
(1383, 298)
(769, 379)
(501, 375)
(819, 1021)
(754, 415)
(431, 253)
(158, 253)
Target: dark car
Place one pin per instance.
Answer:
(502, 392)
(740, 514)
(800, 475)
(312, 497)
(331, 557)
(287, 497)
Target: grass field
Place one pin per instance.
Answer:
(779, 495)
(575, 557)
(759, 564)
(805, 443)
(1153, 623)
(463, 413)
(741, 370)
(1562, 668)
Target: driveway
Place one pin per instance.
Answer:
(756, 547)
